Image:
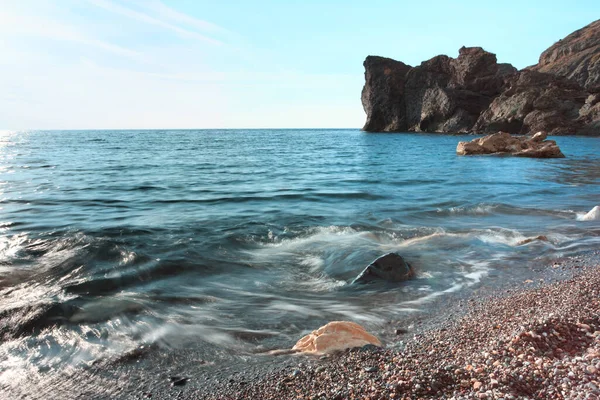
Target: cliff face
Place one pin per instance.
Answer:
(447, 95)
(576, 57)
(473, 93)
(383, 95)
(532, 102)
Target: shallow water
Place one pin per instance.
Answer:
(227, 243)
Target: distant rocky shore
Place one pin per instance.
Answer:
(473, 93)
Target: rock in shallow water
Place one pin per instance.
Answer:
(532, 239)
(535, 146)
(389, 267)
(335, 336)
(178, 380)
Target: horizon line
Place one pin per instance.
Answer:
(167, 129)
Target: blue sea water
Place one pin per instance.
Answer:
(231, 242)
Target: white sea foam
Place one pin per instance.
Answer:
(481, 209)
(11, 245)
(314, 262)
(477, 272)
(330, 235)
(592, 215)
(508, 237)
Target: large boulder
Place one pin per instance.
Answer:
(335, 336)
(576, 57)
(390, 267)
(504, 143)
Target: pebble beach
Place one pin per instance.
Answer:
(527, 342)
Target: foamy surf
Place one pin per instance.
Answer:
(213, 245)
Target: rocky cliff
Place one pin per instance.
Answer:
(576, 57)
(474, 93)
(383, 94)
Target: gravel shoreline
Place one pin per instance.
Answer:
(534, 334)
(533, 342)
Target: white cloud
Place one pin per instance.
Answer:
(13, 24)
(169, 13)
(143, 17)
(59, 79)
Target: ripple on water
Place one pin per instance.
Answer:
(117, 245)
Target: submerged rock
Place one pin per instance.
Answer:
(535, 146)
(178, 380)
(592, 215)
(335, 336)
(541, 238)
(390, 267)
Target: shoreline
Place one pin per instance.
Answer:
(538, 339)
(444, 343)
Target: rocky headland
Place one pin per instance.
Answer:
(473, 93)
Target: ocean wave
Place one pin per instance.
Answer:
(341, 252)
(579, 215)
(308, 196)
(481, 209)
(486, 209)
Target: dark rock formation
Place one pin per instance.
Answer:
(576, 57)
(589, 115)
(503, 143)
(447, 95)
(475, 94)
(383, 95)
(532, 102)
(442, 94)
(390, 267)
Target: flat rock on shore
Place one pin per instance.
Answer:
(335, 336)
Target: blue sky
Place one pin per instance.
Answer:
(127, 64)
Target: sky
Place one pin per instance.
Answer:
(150, 64)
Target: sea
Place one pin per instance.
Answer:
(212, 247)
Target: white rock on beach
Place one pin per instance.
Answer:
(335, 336)
(593, 215)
